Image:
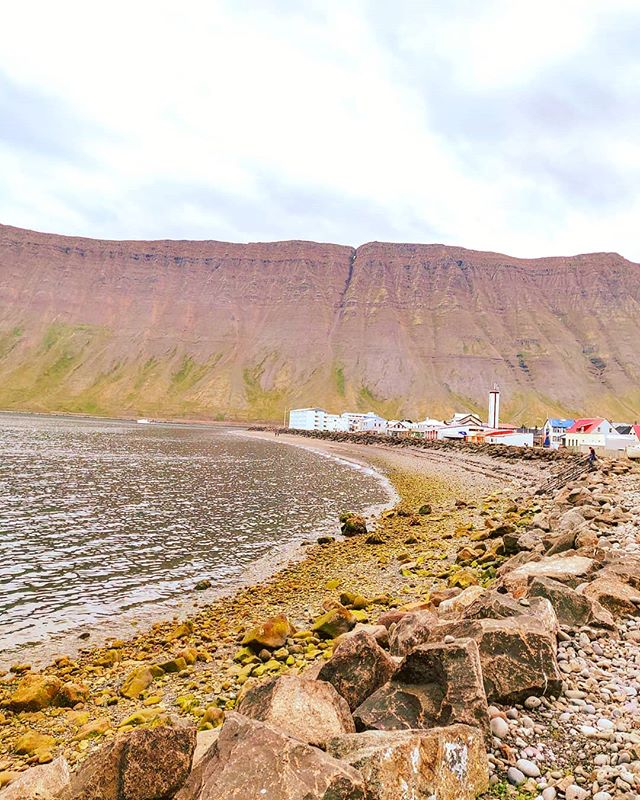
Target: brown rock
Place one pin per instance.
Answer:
(619, 598)
(272, 634)
(35, 692)
(518, 656)
(446, 763)
(46, 782)
(495, 605)
(146, 764)
(569, 569)
(411, 631)
(436, 684)
(252, 760)
(309, 710)
(71, 694)
(357, 668)
(572, 609)
(625, 569)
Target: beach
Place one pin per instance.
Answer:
(460, 499)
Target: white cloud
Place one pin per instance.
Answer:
(470, 123)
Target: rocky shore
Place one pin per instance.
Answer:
(481, 638)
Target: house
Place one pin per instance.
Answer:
(427, 429)
(352, 420)
(590, 432)
(465, 418)
(372, 423)
(399, 428)
(336, 423)
(554, 432)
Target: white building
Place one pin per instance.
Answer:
(554, 432)
(308, 419)
(372, 423)
(509, 437)
(336, 423)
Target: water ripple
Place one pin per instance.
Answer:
(97, 518)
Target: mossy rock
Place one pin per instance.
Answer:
(135, 684)
(271, 635)
(353, 525)
(425, 509)
(335, 622)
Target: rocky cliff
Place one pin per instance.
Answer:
(211, 329)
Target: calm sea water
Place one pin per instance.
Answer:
(104, 520)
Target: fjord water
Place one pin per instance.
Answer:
(100, 519)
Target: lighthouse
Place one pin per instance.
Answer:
(494, 407)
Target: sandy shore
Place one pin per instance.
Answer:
(412, 556)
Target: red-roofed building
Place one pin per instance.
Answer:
(591, 432)
(636, 431)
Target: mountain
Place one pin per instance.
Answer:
(245, 331)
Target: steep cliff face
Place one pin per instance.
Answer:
(209, 329)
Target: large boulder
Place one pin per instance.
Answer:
(357, 668)
(619, 598)
(35, 692)
(47, 782)
(625, 569)
(448, 763)
(572, 609)
(146, 764)
(456, 605)
(410, 631)
(310, 710)
(253, 760)
(495, 605)
(436, 684)
(270, 635)
(567, 568)
(517, 654)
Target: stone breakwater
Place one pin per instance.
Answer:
(503, 659)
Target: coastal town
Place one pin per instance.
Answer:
(607, 438)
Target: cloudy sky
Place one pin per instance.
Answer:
(505, 125)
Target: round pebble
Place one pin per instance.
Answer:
(499, 727)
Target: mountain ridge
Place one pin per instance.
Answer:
(211, 329)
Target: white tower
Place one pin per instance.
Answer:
(494, 407)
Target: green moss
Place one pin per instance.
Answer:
(339, 379)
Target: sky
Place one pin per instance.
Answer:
(500, 125)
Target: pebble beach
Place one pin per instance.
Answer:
(464, 524)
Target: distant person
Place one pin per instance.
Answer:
(592, 458)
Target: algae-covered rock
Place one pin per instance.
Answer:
(93, 729)
(353, 524)
(139, 680)
(271, 635)
(33, 743)
(334, 623)
(424, 509)
(35, 692)
(177, 664)
(71, 694)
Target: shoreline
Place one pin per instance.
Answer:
(297, 590)
(131, 622)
